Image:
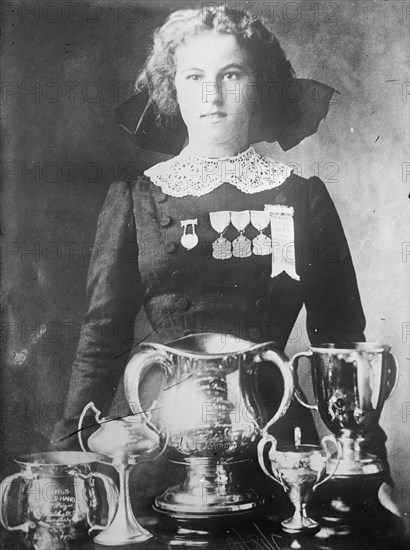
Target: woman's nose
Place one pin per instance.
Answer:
(212, 93)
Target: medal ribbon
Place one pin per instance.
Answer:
(221, 248)
(283, 240)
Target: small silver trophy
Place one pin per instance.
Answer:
(300, 469)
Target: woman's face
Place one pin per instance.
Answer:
(215, 90)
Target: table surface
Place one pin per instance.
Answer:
(260, 532)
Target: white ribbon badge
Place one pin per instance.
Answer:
(283, 240)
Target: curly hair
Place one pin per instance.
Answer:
(265, 53)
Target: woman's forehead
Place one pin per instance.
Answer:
(210, 50)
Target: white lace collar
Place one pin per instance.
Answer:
(191, 174)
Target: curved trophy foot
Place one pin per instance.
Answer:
(121, 533)
(297, 524)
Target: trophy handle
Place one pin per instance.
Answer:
(298, 391)
(5, 487)
(392, 374)
(278, 360)
(81, 420)
(138, 367)
(267, 438)
(110, 489)
(163, 445)
(337, 444)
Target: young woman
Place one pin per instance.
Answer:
(191, 235)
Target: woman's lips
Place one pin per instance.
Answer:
(213, 116)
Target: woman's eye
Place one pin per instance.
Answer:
(193, 77)
(230, 76)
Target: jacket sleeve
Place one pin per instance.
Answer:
(114, 295)
(334, 309)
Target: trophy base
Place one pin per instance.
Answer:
(122, 539)
(363, 464)
(210, 488)
(304, 525)
(196, 529)
(123, 531)
(349, 504)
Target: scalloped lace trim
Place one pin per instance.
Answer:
(191, 174)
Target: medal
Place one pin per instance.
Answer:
(261, 244)
(189, 240)
(221, 248)
(241, 246)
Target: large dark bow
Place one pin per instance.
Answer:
(307, 104)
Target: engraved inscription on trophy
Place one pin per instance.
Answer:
(59, 507)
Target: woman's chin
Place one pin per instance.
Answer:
(215, 135)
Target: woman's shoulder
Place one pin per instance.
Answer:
(137, 183)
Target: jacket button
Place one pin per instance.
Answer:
(177, 276)
(254, 334)
(259, 303)
(165, 221)
(170, 247)
(160, 197)
(183, 304)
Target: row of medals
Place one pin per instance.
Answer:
(241, 247)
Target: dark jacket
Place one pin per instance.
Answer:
(138, 261)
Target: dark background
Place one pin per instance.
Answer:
(61, 149)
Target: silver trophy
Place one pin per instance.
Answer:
(207, 400)
(58, 499)
(300, 469)
(123, 442)
(351, 382)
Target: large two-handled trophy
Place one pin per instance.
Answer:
(208, 401)
(351, 383)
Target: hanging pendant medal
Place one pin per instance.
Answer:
(261, 244)
(241, 246)
(221, 248)
(189, 240)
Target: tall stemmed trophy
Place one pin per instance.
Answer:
(208, 400)
(299, 469)
(351, 382)
(127, 441)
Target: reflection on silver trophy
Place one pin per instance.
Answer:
(124, 442)
(351, 382)
(300, 469)
(207, 399)
(55, 498)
